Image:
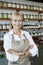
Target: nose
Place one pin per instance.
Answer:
(17, 22)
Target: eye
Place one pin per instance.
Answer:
(15, 20)
(20, 20)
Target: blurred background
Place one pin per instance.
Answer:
(32, 11)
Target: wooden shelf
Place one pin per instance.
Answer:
(32, 28)
(3, 29)
(24, 19)
(18, 9)
(5, 19)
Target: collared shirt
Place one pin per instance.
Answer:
(8, 44)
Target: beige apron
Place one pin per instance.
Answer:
(21, 45)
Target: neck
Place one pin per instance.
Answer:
(18, 31)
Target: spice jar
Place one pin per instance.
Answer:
(40, 16)
(7, 26)
(0, 26)
(32, 16)
(35, 8)
(29, 7)
(22, 6)
(18, 5)
(9, 4)
(14, 5)
(9, 15)
(40, 8)
(5, 4)
(32, 7)
(5, 15)
(25, 6)
(0, 4)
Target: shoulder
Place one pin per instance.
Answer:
(8, 34)
(25, 32)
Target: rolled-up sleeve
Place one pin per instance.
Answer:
(34, 49)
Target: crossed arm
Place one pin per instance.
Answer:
(21, 54)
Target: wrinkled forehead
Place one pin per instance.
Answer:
(17, 17)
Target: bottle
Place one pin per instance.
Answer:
(42, 17)
(18, 5)
(32, 16)
(0, 4)
(6, 15)
(9, 15)
(7, 26)
(0, 15)
(10, 5)
(0, 26)
(4, 27)
(29, 7)
(40, 8)
(5, 4)
(25, 16)
(32, 7)
(37, 16)
(22, 6)
(25, 6)
(14, 5)
(28, 16)
(35, 8)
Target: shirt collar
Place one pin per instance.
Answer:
(11, 32)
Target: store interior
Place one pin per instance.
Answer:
(32, 11)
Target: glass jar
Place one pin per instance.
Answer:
(4, 27)
(28, 16)
(9, 15)
(35, 7)
(7, 26)
(32, 16)
(18, 5)
(5, 15)
(25, 6)
(9, 4)
(40, 16)
(32, 7)
(37, 16)
(25, 16)
(0, 4)
(39, 25)
(22, 6)
(0, 15)
(5, 4)
(0, 26)
(14, 5)
(29, 7)
(40, 8)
